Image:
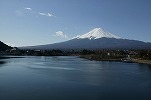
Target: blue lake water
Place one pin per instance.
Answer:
(73, 78)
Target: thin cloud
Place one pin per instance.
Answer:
(40, 13)
(49, 14)
(61, 34)
(45, 14)
(28, 8)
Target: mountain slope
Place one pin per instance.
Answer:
(95, 39)
(101, 43)
(3, 47)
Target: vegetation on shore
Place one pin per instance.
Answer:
(138, 56)
(4, 47)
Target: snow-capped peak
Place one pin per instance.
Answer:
(97, 33)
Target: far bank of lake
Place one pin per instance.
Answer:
(127, 60)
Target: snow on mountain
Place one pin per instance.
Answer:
(97, 33)
(93, 40)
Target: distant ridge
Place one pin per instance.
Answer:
(4, 47)
(95, 39)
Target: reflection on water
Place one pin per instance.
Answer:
(73, 78)
(144, 67)
(149, 67)
(1, 63)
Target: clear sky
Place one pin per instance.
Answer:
(35, 22)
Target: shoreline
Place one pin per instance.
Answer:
(3, 57)
(139, 61)
(90, 57)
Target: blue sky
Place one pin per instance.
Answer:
(35, 22)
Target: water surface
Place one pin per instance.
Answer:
(73, 78)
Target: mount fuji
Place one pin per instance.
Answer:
(97, 38)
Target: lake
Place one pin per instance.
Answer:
(73, 78)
